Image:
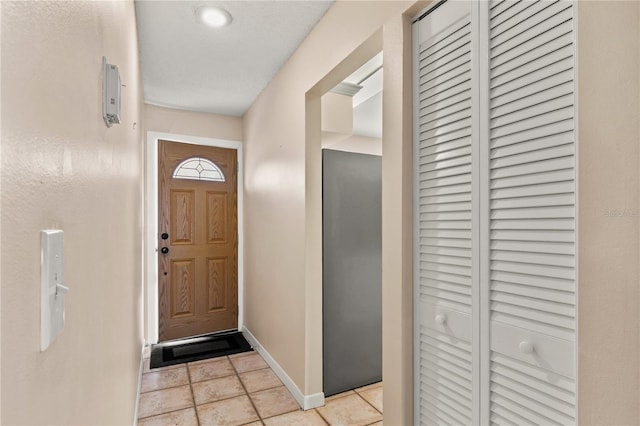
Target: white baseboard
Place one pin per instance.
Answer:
(140, 370)
(307, 402)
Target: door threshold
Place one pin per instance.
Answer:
(198, 348)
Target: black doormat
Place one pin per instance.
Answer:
(198, 348)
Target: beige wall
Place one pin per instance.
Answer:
(352, 143)
(337, 113)
(189, 123)
(337, 127)
(282, 226)
(63, 168)
(397, 222)
(608, 73)
(0, 220)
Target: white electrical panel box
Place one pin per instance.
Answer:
(53, 288)
(111, 93)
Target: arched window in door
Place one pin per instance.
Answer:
(198, 168)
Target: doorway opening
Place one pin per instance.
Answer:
(352, 232)
(153, 235)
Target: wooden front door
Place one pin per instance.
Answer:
(197, 240)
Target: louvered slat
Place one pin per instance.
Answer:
(436, 276)
(445, 385)
(530, 394)
(533, 247)
(533, 281)
(444, 214)
(530, 172)
(532, 208)
(553, 140)
(534, 163)
(530, 61)
(532, 16)
(527, 293)
(543, 28)
(501, 417)
(542, 388)
(558, 199)
(502, 13)
(446, 207)
(444, 64)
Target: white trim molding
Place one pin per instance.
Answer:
(151, 217)
(306, 402)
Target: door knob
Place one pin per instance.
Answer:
(526, 347)
(164, 250)
(164, 236)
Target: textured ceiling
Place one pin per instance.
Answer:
(187, 65)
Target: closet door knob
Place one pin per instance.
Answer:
(441, 319)
(526, 347)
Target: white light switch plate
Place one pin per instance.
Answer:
(52, 286)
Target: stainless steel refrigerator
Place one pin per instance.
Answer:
(352, 270)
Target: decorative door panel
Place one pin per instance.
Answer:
(217, 217)
(182, 292)
(182, 216)
(217, 283)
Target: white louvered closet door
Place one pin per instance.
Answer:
(444, 219)
(532, 213)
(494, 149)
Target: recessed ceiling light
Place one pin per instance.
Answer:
(213, 16)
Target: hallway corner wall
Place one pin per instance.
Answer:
(63, 168)
(283, 270)
(608, 112)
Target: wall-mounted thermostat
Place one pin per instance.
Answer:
(111, 93)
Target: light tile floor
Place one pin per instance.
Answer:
(241, 389)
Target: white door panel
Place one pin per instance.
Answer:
(495, 181)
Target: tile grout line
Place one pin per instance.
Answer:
(162, 414)
(190, 384)
(168, 387)
(261, 390)
(361, 397)
(193, 396)
(281, 414)
(163, 389)
(245, 390)
(199, 381)
(365, 400)
(321, 416)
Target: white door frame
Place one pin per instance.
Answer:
(151, 237)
